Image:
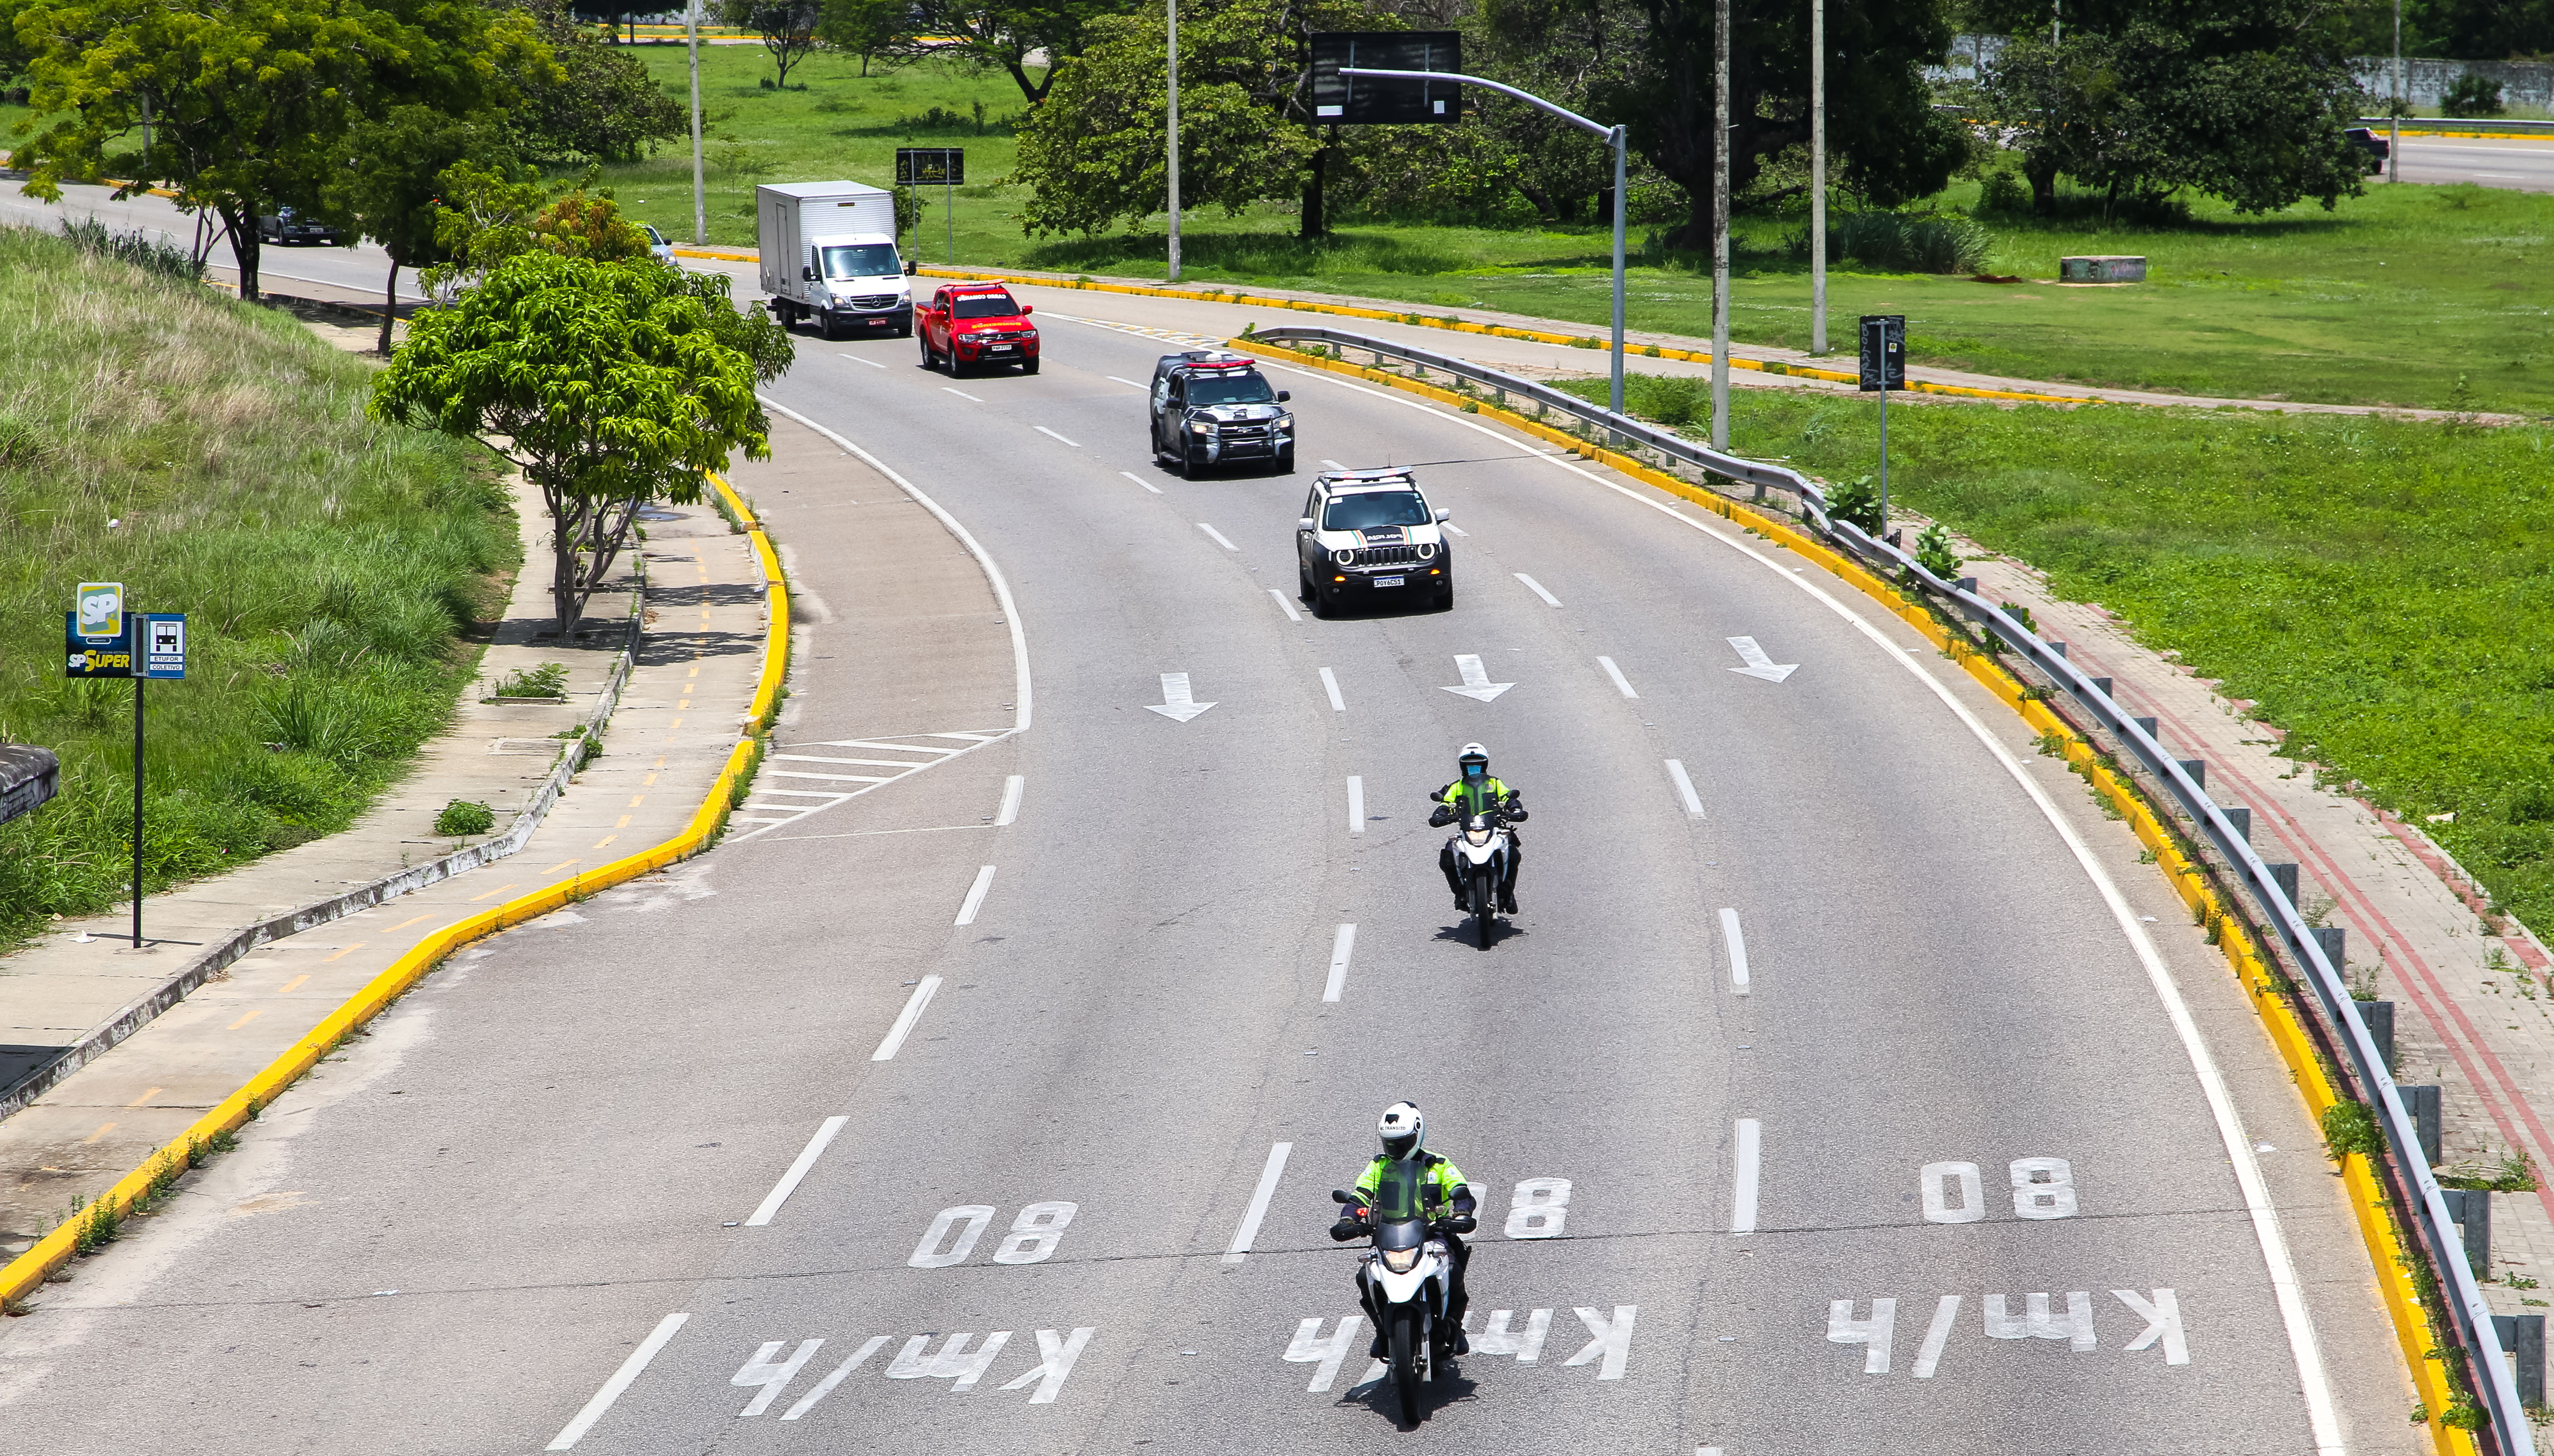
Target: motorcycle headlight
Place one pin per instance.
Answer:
(1401, 1260)
(1476, 837)
(1343, 556)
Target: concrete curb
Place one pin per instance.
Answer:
(26, 1273)
(143, 1009)
(2190, 880)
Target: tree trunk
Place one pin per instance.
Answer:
(586, 538)
(241, 224)
(390, 305)
(2041, 172)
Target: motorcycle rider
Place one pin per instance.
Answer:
(1476, 792)
(1404, 1141)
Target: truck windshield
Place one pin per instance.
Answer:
(860, 261)
(985, 306)
(1230, 387)
(1365, 511)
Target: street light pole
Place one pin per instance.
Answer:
(700, 189)
(1172, 9)
(1720, 226)
(2395, 106)
(1817, 176)
(1614, 136)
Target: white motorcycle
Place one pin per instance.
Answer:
(1481, 852)
(1406, 1279)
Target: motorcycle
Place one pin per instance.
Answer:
(1481, 858)
(1406, 1278)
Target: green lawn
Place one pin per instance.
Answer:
(2381, 588)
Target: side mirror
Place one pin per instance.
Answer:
(1283, 397)
(1338, 1195)
(1443, 517)
(909, 265)
(1026, 309)
(806, 275)
(1303, 523)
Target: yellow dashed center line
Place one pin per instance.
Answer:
(555, 869)
(412, 919)
(638, 799)
(144, 1097)
(624, 822)
(500, 889)
(102, 1131)
(606, 839)
(245, 1020)
(358, 945)
(293, 985)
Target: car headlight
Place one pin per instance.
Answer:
(1203, 426)
(1427, 550)
(1343, 556)
(1401, 1260)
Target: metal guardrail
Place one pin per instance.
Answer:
(2490, 1372)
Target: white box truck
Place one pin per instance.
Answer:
(829, 255)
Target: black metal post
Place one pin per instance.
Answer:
(138, 684)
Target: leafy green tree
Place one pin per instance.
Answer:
(488, 214)
(391, 186)
(1003, 35)
(787, 27)
(609, 384)
(594, 102)
(867, 29)
(251, 100)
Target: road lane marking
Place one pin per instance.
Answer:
(357, 945)
(244, 1020)
(961, 393)
(825, 1387)
(1323, 1355)
(1459, 531)
(976, 896)
(1139, 479)
(1330, 685)
(1692, 806)
(294, 984)
(1476, 679)
(1219, 537)
(1936, 1335)
(1742, 1182)
(788, 1184)
(144, 1097)
(1130, 384)
(1622, 684)
(500, 889)
(1052, 435)
(1609, 1338)
(1757, 663)
(1342, 948)
(1535, 587)
(1737, 948)
(103, 1129)
(1334, 464)
(1243, 1236)
(905, 1019)
(1356, 803)
(1012, 788)
(871, 363)
(414, 918)
(622, 1379)
(1282, 604)
(1179, 701)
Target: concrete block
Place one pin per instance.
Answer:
(2102, 268)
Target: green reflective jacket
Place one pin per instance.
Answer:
(1392, 1186)
(1466, 800)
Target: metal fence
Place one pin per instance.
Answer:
(2408, 1169)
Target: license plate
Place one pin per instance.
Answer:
(998, 348)
(1389, 581)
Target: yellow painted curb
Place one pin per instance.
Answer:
(2280, 1019)
(1501, 331)
(26, 1273)
(716, 253)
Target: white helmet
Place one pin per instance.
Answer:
(1404, 1130)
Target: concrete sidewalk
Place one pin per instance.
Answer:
(678, 717)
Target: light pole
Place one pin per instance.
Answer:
(1720, 227)
(1614, 134)
(1817, 176)
(1172, 9)
(2395, 106)
(700, 190)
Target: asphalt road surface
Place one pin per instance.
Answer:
(1870, 1096)
(2521, 165)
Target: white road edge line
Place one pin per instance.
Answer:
(1130, 384)
(1243, 1236)
(1357, 804)
(1622, 684)
(1535, 587)
(1458, 530)
(1692, 801)
(1219, 537)
(788, 1184)
(1282, 604)
(1737, 950)
(1743, 1174)
(976, 896)
(1052, 435)
(871, 363)
(1343, 945)
(1139, 479)
(1330, 685)
(630, 1371)
(1012, 788)
(961, 393)
(905, 1019)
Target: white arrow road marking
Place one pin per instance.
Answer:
(976, 896)
(1282, 604)
(1476, 679)
(1685, 787)
(788, 1184)
(1357, 804)
(1742, 1182)
(905, 1019)
(1341, 946)
(1013, 787)
(1621, 683)
(1535, 587)
(1758, 664)
(1176, 703)
(1737, 949)
(630, 1371)
(961, 393)
(1258, 1210)
(1139, 479)
(1052, 435)
(1219, 537)
(1330, 685)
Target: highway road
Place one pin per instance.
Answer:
(2526, 166)
(1871, 1096)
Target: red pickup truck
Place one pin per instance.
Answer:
(969, 324)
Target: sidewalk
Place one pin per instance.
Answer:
(2475, 1003)
(676, 722)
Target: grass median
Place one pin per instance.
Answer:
(214, 458)
(2379, 587)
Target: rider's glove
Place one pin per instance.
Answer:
(1346, 1229)
(1460, 1223)
(1441, 817)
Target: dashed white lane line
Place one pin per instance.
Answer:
(1013, 787)
(1459, 531)
(1621, 683)
(1243, 1236)
(1535, 587)
(788, 1184)
(1737, 948)
(1130, 384)
(1219, 537)
(1342, 948)
(1330, 685)
(1052, 435)
(905, 1019)
(1693, 806)
(1282, 604)
(1742, 1177)
(1139, 479)
(976, 896)
(1357, 804)
(871, 363)
(961, 393)
(1334, 464)
(622, 1379)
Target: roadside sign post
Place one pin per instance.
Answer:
(918, 166)
(1883, 366)
(104, 639)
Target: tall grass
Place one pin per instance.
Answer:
(326, 565)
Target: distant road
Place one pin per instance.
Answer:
(2526, 166)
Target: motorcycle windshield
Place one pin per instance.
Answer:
(1400, 1235)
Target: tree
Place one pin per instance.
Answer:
(608, 385)
(866, 28)
(488, 214)
(1003, 35)
(594, 102)
(787, 27)
(391, 184)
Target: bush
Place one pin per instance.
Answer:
(2350, 1127)
(1933, 553)
(2001, 193)
(461, 819)
(549, 679)
(1856, 501)
(2472, 94)
(1671, 400)
(1903, 241)
(166, 259)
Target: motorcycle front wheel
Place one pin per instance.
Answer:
(1481, 904)
(1405, 1362)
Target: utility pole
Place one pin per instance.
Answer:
(1817, 176)
(1172, 9)
(1720, 226)
(2395, 106)
(700, 188)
